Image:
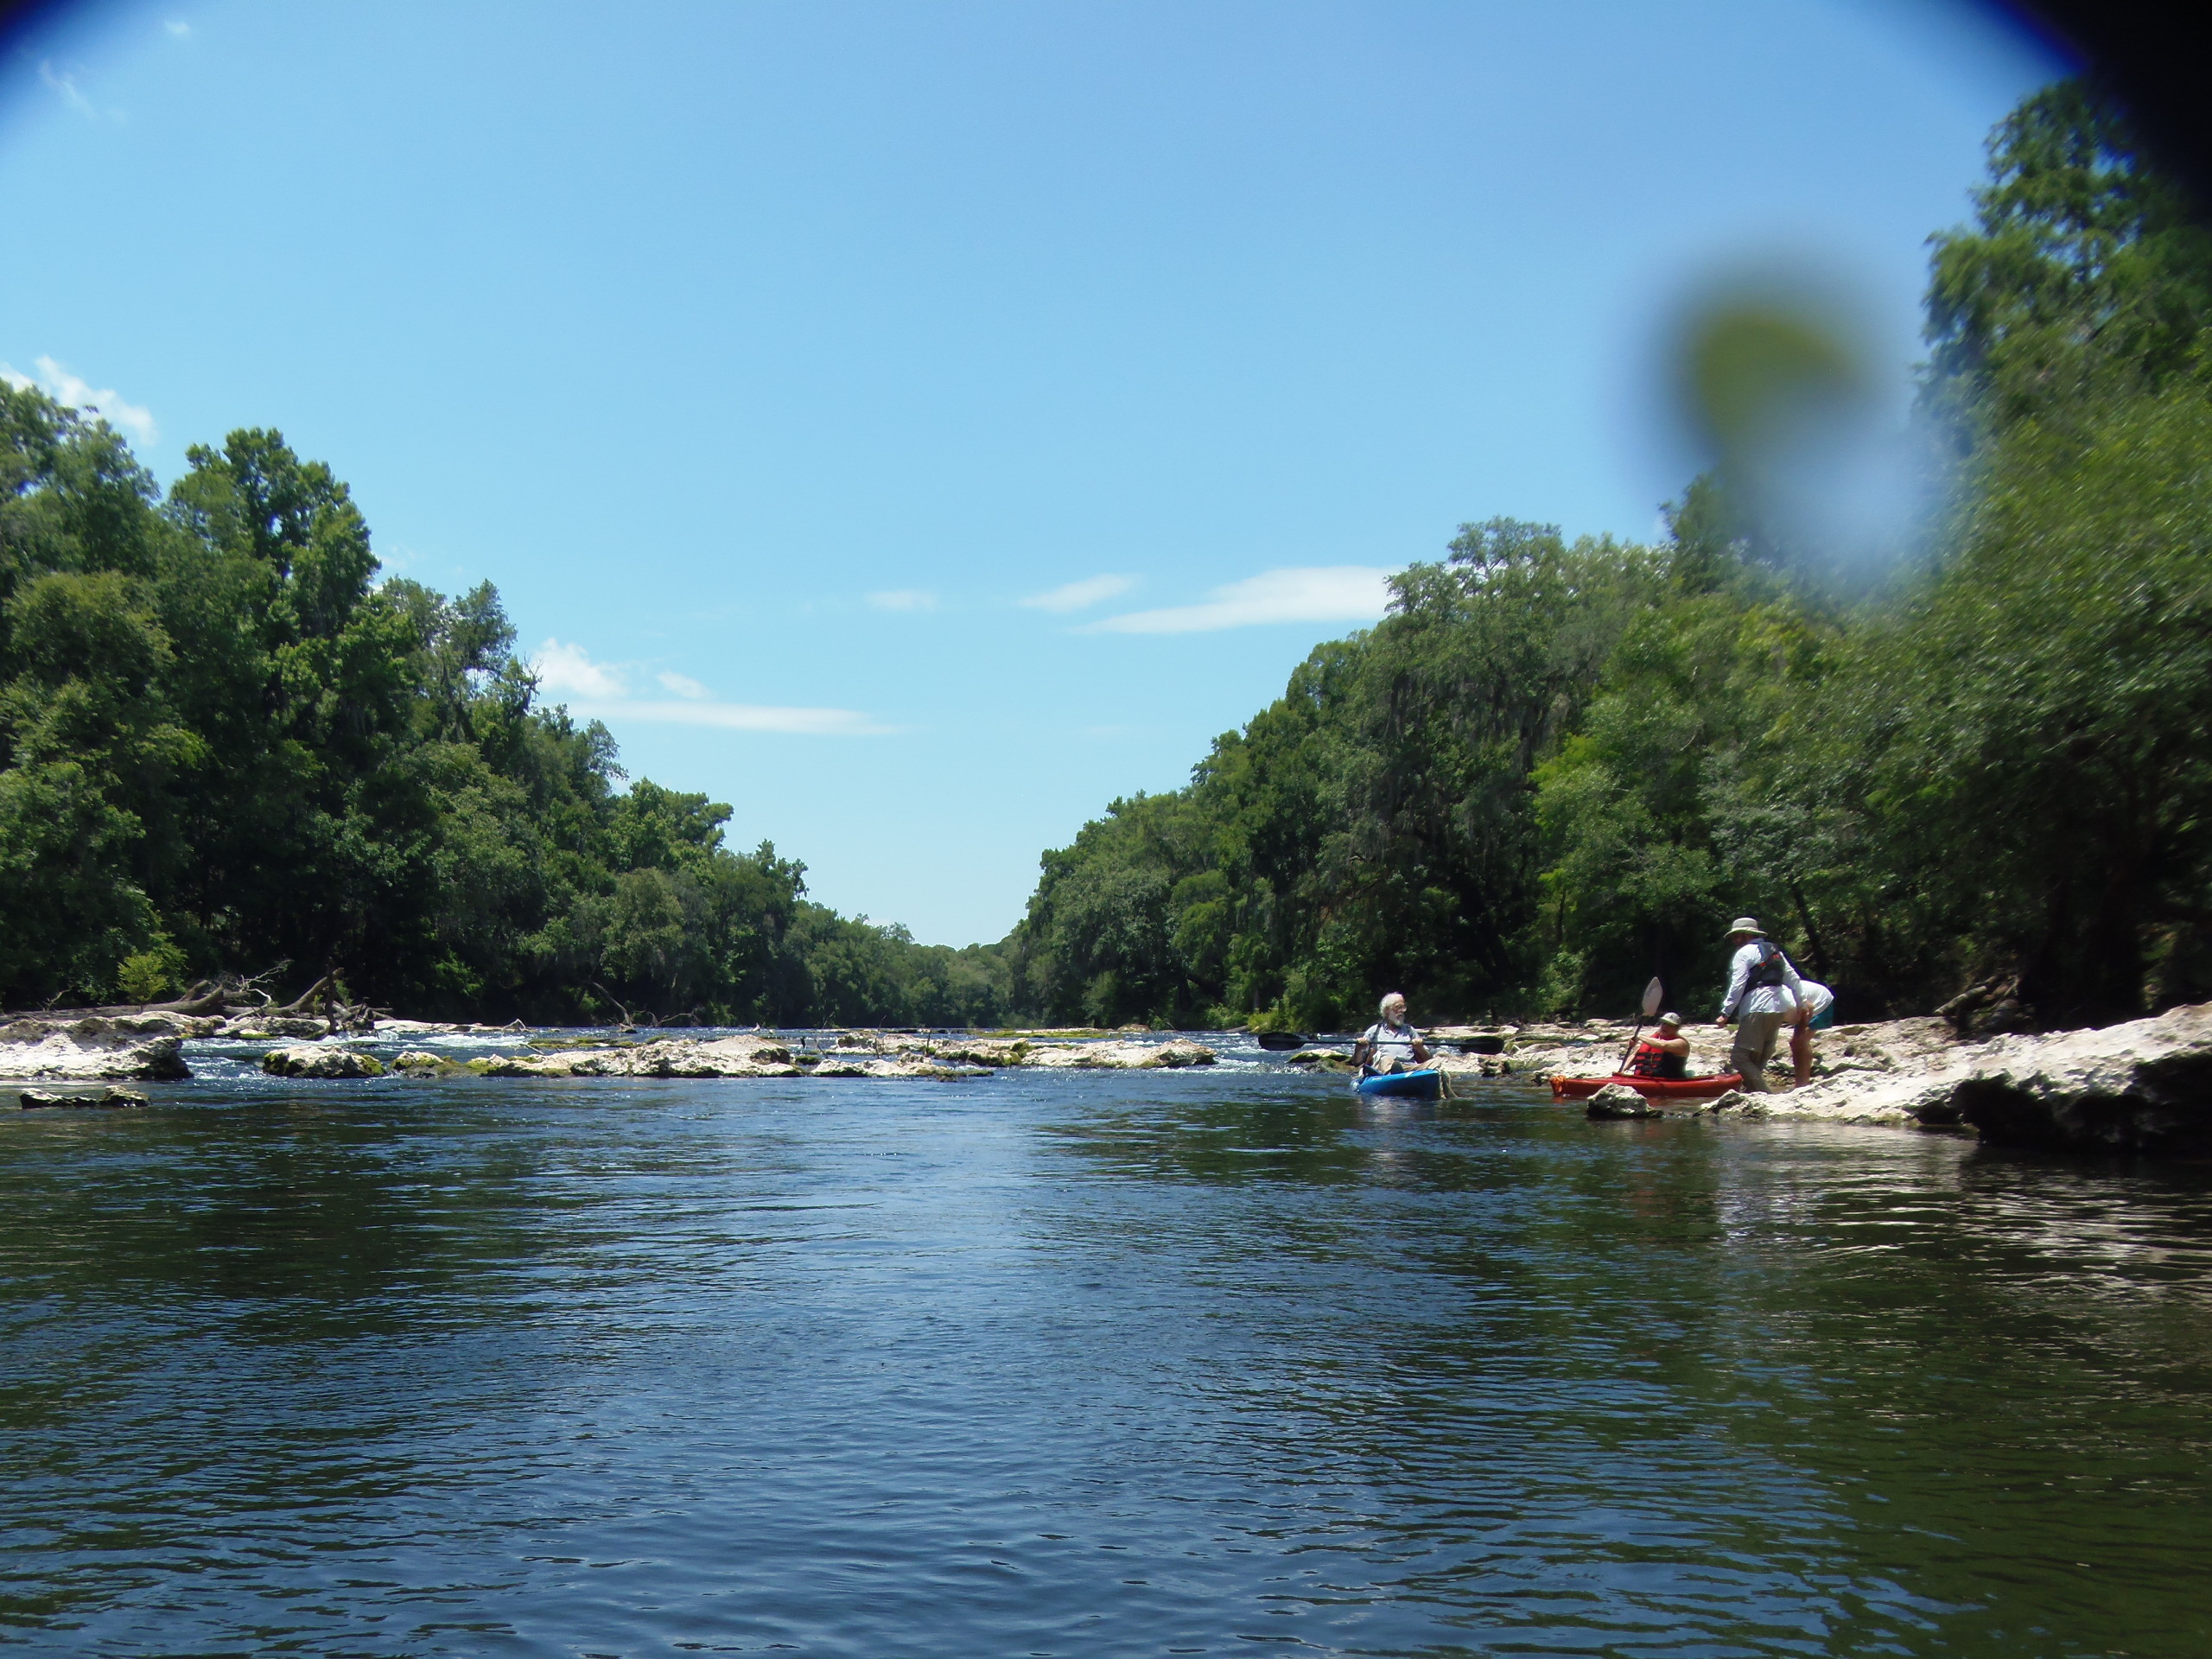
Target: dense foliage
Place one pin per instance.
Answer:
(224, 744)
(1555, 769)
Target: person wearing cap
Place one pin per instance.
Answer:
(1764, 995)
(1665, 1053)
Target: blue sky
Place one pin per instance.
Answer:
(916, 424)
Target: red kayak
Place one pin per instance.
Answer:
(1650, 1088)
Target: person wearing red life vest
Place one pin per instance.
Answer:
(1665, 1053)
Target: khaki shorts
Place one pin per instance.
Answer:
(1754, 1047)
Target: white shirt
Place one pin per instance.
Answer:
(1761, 999)
(1390, 1043)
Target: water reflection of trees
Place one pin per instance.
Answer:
(296, 1216)
(1552, 1368)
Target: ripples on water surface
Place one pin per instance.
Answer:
(1083, 1364)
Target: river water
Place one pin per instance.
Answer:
(1219, 1362)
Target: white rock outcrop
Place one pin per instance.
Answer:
(855, 1054)
(94, 1048)
(1618, 1100)
(746, 1056)
(2142, 1086)
(263, 1027)
(1118, 1057)
(316, 1061)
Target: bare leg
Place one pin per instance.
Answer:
(1800, 1050)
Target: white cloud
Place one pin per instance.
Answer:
(64, 81)
(1327, 593)
(74, 392)
(904, 599)
(570, 668)
(178, 29)
(601, 691)
(740, 717)
(1079, 596)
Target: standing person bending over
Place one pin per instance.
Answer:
(1764, 995)
(1816, 1010)
(1389, 1045)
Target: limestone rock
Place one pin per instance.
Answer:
(34, 1099)
(1618, 1100)
(1175, 1056)
(2144, 1086)
(725, 1057)
(265, 1027)
(1739, 1103)
(1470, 1066)
(1120, 1057)
(746, 1055)
(974, 1052)
(564, 1063)
(94, 1048)
(903, 1067)
(313, 1060)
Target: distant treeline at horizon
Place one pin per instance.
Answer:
(224, 747)
(1553, 770)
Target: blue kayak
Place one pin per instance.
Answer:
(1403, 1085)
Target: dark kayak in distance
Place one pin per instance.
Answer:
(1650, 1088)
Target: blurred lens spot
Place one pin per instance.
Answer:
(1758, 374)
(1778, 390)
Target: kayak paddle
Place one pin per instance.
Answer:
(1654, 994)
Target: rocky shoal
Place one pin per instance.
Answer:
(2142, 1086)
(855, 1054)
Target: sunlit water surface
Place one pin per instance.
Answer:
(1090, 1364)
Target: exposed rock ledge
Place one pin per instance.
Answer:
(856, 1055)
(2143, 1086)
(317, 1061)
(94, 1048)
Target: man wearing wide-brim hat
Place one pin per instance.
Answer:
(1764, 996)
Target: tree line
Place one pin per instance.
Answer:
(1557, 768)
(224, 744)
(1553, 769)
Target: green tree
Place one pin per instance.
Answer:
(2087, 270)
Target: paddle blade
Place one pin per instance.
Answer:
(1654, 994)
